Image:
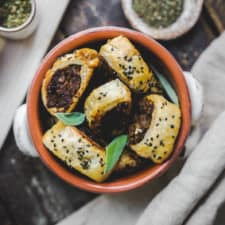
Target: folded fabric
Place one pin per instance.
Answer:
(174, 204)
(207, 211)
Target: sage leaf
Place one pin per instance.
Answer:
(166, 86)
(114, 151)
(71, 119)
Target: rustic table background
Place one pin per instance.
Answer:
(30, 194)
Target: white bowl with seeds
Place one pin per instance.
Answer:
(16, 22)
(191, 10)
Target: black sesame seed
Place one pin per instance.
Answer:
(172, 126)
(161, 143)
(85, 164)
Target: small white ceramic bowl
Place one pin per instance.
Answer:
(24, 30)
(187, 19)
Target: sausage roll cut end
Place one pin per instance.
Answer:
(109, 105)
(68, 78)
(154, 130)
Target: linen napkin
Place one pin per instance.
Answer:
(181, 201)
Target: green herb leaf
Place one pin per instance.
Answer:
(114, 151)
(166, 86)
(71, 119)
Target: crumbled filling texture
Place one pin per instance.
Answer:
(141, 123)
(63, 86)
(115, 121)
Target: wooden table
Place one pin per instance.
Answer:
(30, 194)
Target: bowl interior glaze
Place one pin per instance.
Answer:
(89, 38)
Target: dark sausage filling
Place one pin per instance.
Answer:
(114, 122)
(63, 86)
(141, 123)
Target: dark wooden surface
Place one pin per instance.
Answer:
(30, 194)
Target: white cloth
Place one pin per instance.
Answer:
(181, 201)
(19, 60)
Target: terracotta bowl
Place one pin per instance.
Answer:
(84, 38)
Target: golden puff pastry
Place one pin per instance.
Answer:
(113, 95)
(77, 150)
(127, 161)
(81, 153)
(122, 57)
(67, 80)
(155, 128)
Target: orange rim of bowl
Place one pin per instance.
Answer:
(75, 41)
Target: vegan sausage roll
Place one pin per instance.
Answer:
(81, 153)
(77, 150)
(110, 105)
(66, 81)
(123, 58)
(155, 128)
